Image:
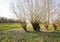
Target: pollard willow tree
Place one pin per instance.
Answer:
(18, 8)
(33, 10)
(55, 13)
(47, 14)
(36, 11)
(52, 13)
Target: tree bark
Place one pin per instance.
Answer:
(46, 26)
(36, 27)
(24, 27)
(55, 26)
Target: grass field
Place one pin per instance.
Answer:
(5, 27)
(15, 33)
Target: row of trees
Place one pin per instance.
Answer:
(36, 12)
(6, 20)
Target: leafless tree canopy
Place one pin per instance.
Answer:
(36, 11)
(33, 10)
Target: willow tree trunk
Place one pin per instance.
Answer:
(36, 27)
(46, 26)
(55, 26)
(24, 26)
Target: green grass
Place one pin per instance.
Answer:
(4, 27)
(21, 36)
(18, 36)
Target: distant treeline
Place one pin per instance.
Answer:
(6, 20)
